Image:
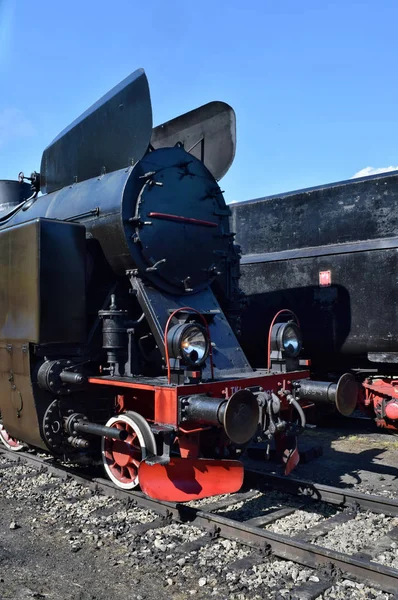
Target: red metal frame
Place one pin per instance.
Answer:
(165, 397)
(201, 469)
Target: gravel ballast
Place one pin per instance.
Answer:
(61, 540)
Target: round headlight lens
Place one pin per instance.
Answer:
(194, 345)
(287, 338)
(291, 340)
(190, 342)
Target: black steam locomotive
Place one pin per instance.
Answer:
(329, 254)
(120, 305)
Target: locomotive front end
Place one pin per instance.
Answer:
(120, 304)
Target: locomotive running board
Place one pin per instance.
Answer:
(184, 479)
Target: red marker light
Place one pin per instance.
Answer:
(325, 278)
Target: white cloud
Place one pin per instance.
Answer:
(14, 124)
(372, 171)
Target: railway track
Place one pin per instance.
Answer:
(256, 521)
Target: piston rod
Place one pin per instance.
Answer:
(85, 427)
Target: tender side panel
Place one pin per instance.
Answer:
(354, 210)
(355, 315)
(349, 229)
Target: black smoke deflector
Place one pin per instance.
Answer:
(208, 133)
(112, 134)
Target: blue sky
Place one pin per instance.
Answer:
(313, 83)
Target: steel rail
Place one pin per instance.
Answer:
(282, 546)
(319, 492)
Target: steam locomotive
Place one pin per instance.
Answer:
(329, 254)
(120, 307)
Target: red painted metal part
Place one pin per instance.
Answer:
(180, 219)
(124, 464)
(392, 410)
(292, 460)
(381, 395)
(187, 479)
(226, 387)
(10, 442)
(190, 477)
(166, 396)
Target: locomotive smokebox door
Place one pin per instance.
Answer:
(42, 304)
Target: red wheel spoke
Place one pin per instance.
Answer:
(132, 471)
(10, 442)
(136, 464)
(130, 439)
(122, 459)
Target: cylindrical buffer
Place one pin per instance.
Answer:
(344, 393)
(201, 409)
(239, 415)
(318, 391)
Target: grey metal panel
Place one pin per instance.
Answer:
(208, 133)
(17, 403)
(19, 283)
(112, 134)
(384, 244)
(228, 356)
(357, 210)
(42, 282)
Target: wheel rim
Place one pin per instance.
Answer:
(122, 459)
(8, 441)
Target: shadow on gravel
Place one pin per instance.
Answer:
(344, 469)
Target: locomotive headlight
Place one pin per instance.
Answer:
(286, 337)
(189, 342)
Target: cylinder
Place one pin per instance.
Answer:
(114, 331)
